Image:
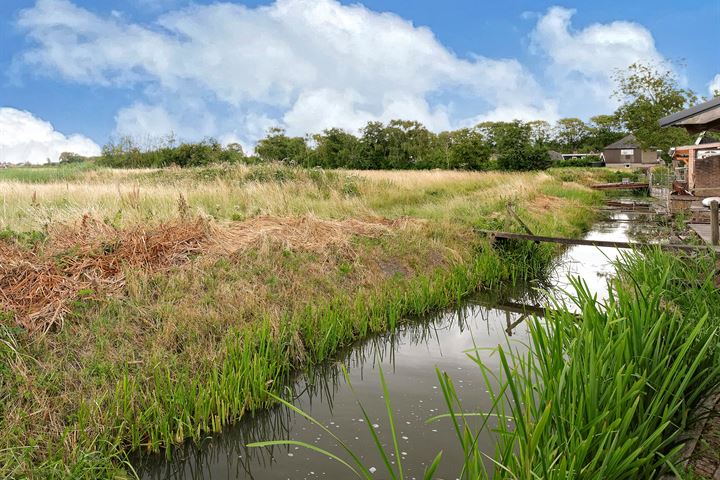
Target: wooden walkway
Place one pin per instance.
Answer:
(594, 243)
(703, 231)
(621, 186)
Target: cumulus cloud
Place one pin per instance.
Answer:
(583, 61)
(304, 64)
(714, 85)
(26, 138)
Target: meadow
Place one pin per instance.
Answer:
(143, 307)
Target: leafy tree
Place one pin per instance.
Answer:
(530, 157)
(540, 131)
(71, 157)
(570, 134)
(278, 147)
(505, 137)
(335, 148)
(604, 130)
(235, 148)
(648, 94)
(468, 150)
(409, 144)
(374, 147)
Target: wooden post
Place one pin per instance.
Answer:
(714, 233)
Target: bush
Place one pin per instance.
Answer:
(579, 162)
(126, 154)
(534, 157)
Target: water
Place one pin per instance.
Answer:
(409, 359)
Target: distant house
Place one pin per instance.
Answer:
(627, 151)
(557, 156)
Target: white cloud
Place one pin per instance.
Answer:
(714, 85)
(25, 138)
(305, 64)
(583, 61)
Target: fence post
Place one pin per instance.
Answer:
(714, 233)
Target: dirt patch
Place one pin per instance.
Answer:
(88, 259)
(545, 203)
(300, 233)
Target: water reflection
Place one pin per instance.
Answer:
(409, 358)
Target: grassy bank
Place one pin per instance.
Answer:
(149, 306)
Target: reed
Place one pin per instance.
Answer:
(606, 396)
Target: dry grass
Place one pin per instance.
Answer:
(39, 284)
(125, 198)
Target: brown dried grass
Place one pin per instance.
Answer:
(39, 285)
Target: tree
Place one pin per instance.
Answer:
(540, 131)
(70, 157)
(530, 157)
(335, 148)
(507, 136)
(374, 146)
(604, 130)
(467, 149)
(570, 134)
(278, 147)
(648, 94)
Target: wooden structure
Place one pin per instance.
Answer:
(621, 186)
(627, 151)
(700, 118)
(697, 167)
(496, 235)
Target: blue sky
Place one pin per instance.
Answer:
(77, 72)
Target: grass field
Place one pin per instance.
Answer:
(143, 307)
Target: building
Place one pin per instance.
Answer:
(697, 167)
(628, 152)
(592, 157)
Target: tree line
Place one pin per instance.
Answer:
(399, 144)
(646, 95)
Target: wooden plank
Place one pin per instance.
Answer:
(621, 186)
(703, 230)
(591, 243)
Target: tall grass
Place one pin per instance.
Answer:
(606, 395)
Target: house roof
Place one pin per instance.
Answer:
(705, 116)
(628, 141)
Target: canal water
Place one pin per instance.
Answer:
(409, 359)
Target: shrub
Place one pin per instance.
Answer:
(527, 158)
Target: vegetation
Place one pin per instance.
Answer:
(648, 94)
(147, 306)
(604, 393)
(126, 153)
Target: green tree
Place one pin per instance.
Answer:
(374, 147)
(570, 134)
(505, 137)
(604, 130)
(467, 150)
(648, 94)
(335, 148)
(278, 147)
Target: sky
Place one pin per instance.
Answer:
(76, 73)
